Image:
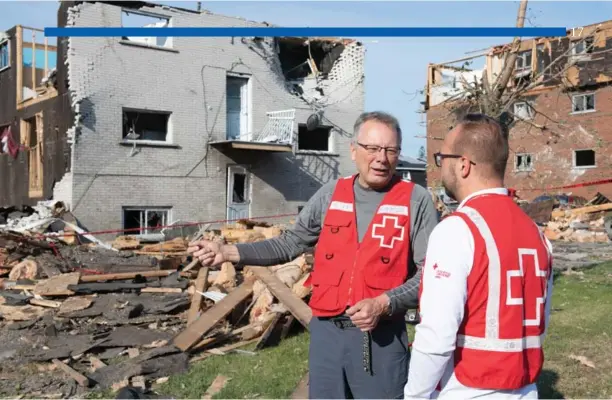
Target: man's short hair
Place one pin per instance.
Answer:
(485, 140)
(378, 116)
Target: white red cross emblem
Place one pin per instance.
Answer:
(386, 232)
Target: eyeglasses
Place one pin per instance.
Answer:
(438, 157)
(373, 149)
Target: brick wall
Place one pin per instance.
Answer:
(189, 82)
(552, 148)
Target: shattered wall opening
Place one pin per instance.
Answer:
(317, 139)
(300, 58)
(130, 18)
(146, 125)
(321, 70)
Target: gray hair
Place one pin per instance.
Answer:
(378, 116)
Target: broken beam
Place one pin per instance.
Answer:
(192, 334)
(77, 376)
(298, 308)
(196, 300)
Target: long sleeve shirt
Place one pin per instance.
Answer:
(451, 249)
(305, 234)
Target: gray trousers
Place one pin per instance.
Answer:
(336, 361)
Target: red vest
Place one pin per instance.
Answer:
(499, 343)
(346, 271)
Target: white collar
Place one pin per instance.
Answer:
(502, 191)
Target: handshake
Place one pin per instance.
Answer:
(211, 253)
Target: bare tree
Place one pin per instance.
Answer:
(497, 98)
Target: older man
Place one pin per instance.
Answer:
(371, 231)
(487, 282)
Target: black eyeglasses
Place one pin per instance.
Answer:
(373, 149)
(438, 157)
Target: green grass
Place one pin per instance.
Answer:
(581, 318)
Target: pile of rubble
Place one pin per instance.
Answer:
(589, 224)
(126, 314)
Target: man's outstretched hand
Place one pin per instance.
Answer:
(367, 312)
(209, 253)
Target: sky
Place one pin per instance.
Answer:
(395, 68)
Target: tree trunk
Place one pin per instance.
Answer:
(501, 82)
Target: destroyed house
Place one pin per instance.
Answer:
(558, 99)
(33, 112)
(184, 129)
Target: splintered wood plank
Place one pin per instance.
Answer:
(200, 327)
(57, 285)
(298, 308)
(196, 300)
(77, 376)
(263, 340)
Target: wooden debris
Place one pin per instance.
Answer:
(582, 210)
(77, 376)
(26, 269)
(216, 386)
(57, 285)
(201, 284)
(224, 349)
(126, 243)
(268, 332)
(75, 303)
(174, 245)
(21, 313)
(46, 303)
(226, 277)
(96, 363)
(186, 339)
(133, 352)
(297, 307)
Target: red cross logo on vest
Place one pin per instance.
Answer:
(533, 287)
(386, 232)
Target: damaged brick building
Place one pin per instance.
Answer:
(33, 110)
(167, 129)
(560, 105)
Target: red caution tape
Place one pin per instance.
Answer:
(576, 185)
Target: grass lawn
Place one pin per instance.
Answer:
(581, 319)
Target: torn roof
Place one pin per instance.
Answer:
(587, 28)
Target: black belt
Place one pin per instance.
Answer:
(343, 322)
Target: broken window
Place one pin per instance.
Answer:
(523, 110)
(131, 19)
(523, 162)
(523, 61)
(583, 47)
(145, 125)
(583, 102)
(148, 220)
(32, 138)
(4, 54)
(317, 139)
(584, 158)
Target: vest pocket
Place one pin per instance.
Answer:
(325, 288)
(383, 282)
